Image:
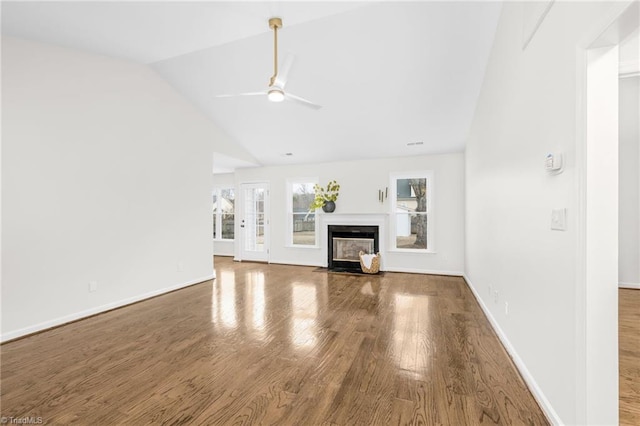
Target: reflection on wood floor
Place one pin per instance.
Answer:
(274, 344)
(629, 343)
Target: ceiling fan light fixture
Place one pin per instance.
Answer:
(275, 90)
(275, 95)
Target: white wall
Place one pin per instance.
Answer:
(527, 108)
(359, 183)
(629, 233)
(106, 177)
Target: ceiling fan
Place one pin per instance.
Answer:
(275, 91)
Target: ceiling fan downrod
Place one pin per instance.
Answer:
(275, 24)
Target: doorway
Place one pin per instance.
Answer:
(629, 135)
(254, 222)
(629, 232)
(598, 204)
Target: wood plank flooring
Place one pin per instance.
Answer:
(629, 344)
(275, 344)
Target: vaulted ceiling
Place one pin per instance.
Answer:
(394, 78)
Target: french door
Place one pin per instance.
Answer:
(254, 222)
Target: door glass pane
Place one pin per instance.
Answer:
(254, 219)
(228, 231)
(260, 232)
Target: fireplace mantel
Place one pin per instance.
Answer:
(370, 219)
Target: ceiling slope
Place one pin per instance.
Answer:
(388, 74)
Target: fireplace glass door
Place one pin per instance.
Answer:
(345, 244)
(348, 249)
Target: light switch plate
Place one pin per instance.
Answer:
(559, 219)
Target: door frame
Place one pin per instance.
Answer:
(240, 253)
(597, 399)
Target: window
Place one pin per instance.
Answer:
(223, 213)
(410, 211)
(302, 229)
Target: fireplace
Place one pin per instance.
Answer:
(345, 243)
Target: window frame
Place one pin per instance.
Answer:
(217, 191)
(289, 213)
(429, 213)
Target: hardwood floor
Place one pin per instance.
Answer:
(274, 344)
(629, 344)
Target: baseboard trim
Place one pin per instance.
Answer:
(424, 271)
(635, 286)
(223, 253)
(288, 262)
(537, 393)
(16, 334)
(382, 268)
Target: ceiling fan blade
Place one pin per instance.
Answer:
(240, 94)
(301, 101)
(283, 73)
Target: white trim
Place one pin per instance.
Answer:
(582, 313)
(295, 263)
(408, 251)
(302, 247)
(99, 309)
(536, 391)
(629, 285)
(581, 235)
(425, 271)
(392, 269)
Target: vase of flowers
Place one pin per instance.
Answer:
(329, 207)
(325, 197)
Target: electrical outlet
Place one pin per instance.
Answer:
(495, 296)
(506, 308)
(180, 266)
(93, 286)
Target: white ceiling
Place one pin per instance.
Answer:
(386, 73)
